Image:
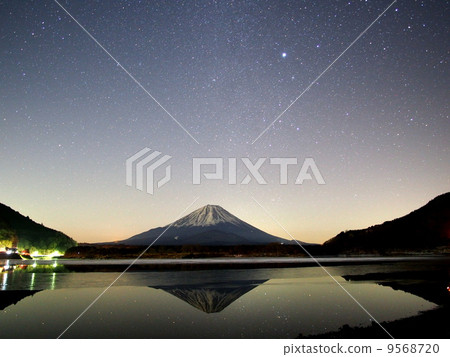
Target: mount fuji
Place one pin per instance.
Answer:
(210, 225)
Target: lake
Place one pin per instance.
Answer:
(41, 299)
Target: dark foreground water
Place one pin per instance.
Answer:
(41, 301)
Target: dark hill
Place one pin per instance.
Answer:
(425, 228)
(29, 234)
(12, 297)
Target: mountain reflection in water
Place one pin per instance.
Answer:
(219, 303)
(213, 297)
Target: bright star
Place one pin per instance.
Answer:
(284, 54)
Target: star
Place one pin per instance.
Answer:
(222, 72)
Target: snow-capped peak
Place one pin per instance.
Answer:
(207, 216)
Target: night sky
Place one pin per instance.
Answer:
(376, 123)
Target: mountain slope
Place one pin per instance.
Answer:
(424, 228)
(16, 228)
(209, 225)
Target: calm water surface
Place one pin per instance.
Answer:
(42, 301)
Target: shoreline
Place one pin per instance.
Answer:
(217, 263)
(430, 324)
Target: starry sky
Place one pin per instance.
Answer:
(376, 122)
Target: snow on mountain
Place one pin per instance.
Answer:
(208, 215)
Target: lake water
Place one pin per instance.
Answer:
(42, 300)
